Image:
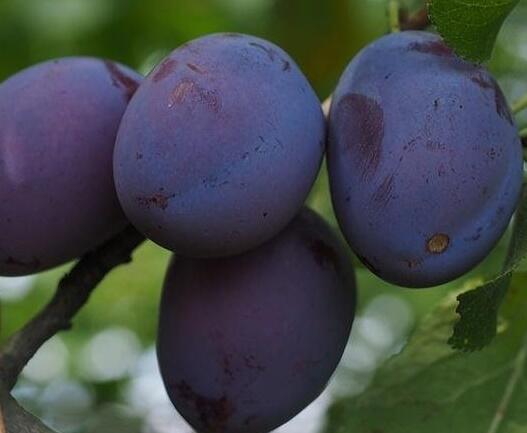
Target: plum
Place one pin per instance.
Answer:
(424, 159)
(246, 342)
(58, 124)
(219, 147)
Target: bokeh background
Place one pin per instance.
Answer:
(102, 376)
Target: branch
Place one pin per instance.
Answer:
(15, 419)
(72, 293)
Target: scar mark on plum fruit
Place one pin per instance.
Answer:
(286, 66)
(502, 107)
(361, 128)
(250, 362)
(164, 70)
(213, 413)
(269, 51)
(413, 263)
(481, 81)
(383, 194)
(138, 156)
(189, 90)
(436, 48)
(227, 368)
(476, 236)
(33, 264)
(180, 92)
(196, 68)
(324, 254)
(157, 200)
(438, 243)
(121, 80)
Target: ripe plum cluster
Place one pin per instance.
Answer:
(212, 156)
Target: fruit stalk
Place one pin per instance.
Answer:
(393, 12)
(519, 105)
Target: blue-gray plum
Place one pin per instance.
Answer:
(58, 124)
(424, 159)
(246, 342)
(219, 147)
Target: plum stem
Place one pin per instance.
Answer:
(519, 105)
(393, 14)
(326, 106)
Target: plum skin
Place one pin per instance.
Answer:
(246, 342)
(219, 147)
(424, 159)
(58, 124)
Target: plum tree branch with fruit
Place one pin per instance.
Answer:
(257, 243)
(72, 293)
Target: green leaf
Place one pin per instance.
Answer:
(478, 308)
(470, 26)
(432, 388)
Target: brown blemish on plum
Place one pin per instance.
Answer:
(492, 153)
(189, 90)
(435, 145)
(476, 236)
(33, 264)
(121, 80)
(412, 264)
(213, 413)
(383, 194)
(180, 92)
(481, 81)
(502, 107)
(227, 369)
(157, 200)
(438, 243)
(250, 362)
(361, 122)
(324, 254)
(269, 51)
(196, 68)
(436, 48)
(164, 70)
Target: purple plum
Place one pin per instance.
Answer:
(246, 342)
(58, 124)
(219, 147)
(424, 159)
